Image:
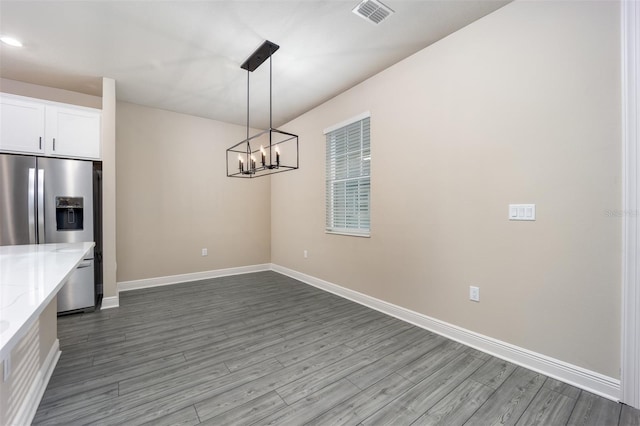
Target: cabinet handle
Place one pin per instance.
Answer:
(54, 144)
(40, 143)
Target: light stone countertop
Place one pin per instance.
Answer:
(30, 277)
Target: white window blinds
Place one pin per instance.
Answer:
(348, 186)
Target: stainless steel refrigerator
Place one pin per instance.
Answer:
(50, 200)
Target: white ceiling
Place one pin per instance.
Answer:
(185, 56)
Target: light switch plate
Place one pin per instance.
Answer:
(474, 293)
(522, 212)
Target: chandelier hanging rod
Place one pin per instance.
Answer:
(248, 165)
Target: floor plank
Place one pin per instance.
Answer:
(306, 409)
(263, 348)
(183, 417)
(494, 372)
(76, 402)
(420, 398)
(344, 336)
(249, 412)
(357, 408)
(432, 361)
(59, 391)
(562, 388)
(372, 373)
(314, 381)
(510, 400)
(629, 416)
(458, 406)
(268, 383)
(593, 410)
(547, 408)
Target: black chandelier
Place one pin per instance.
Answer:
(267, 152)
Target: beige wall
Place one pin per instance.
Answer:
(49, 93)
(521, 106)
(173, 197)
(27, 362)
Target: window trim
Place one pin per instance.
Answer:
(345, 123)
(348, 231)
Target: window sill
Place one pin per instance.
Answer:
(349, 234)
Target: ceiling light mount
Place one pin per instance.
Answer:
(267, 152)
(261, 54)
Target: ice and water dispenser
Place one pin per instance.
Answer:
(69, 213)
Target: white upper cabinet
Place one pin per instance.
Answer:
(21, 125)
(72, 132)
(39, 127)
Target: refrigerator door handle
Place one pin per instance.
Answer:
(31, 205)
(41, 206)
(84, 264)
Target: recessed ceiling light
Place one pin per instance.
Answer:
(11, 41)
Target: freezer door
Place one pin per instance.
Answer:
(17, 200)
(67, 216)
(79, 291)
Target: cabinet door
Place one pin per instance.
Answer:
(73, 132)
(21, 125)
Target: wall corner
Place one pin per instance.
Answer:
(109, 186)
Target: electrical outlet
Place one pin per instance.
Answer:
(474, 293)
(306, 254)
(205, 252)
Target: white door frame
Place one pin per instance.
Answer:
(630, 55)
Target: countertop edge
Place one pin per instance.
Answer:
(5, 350)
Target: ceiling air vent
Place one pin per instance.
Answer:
(373, 11)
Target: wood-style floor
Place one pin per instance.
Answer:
(265, 349)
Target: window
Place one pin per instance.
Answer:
(348, 177)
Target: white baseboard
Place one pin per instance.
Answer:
(194, 276)
(588, 380)
(26, 413)
(110, 302)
